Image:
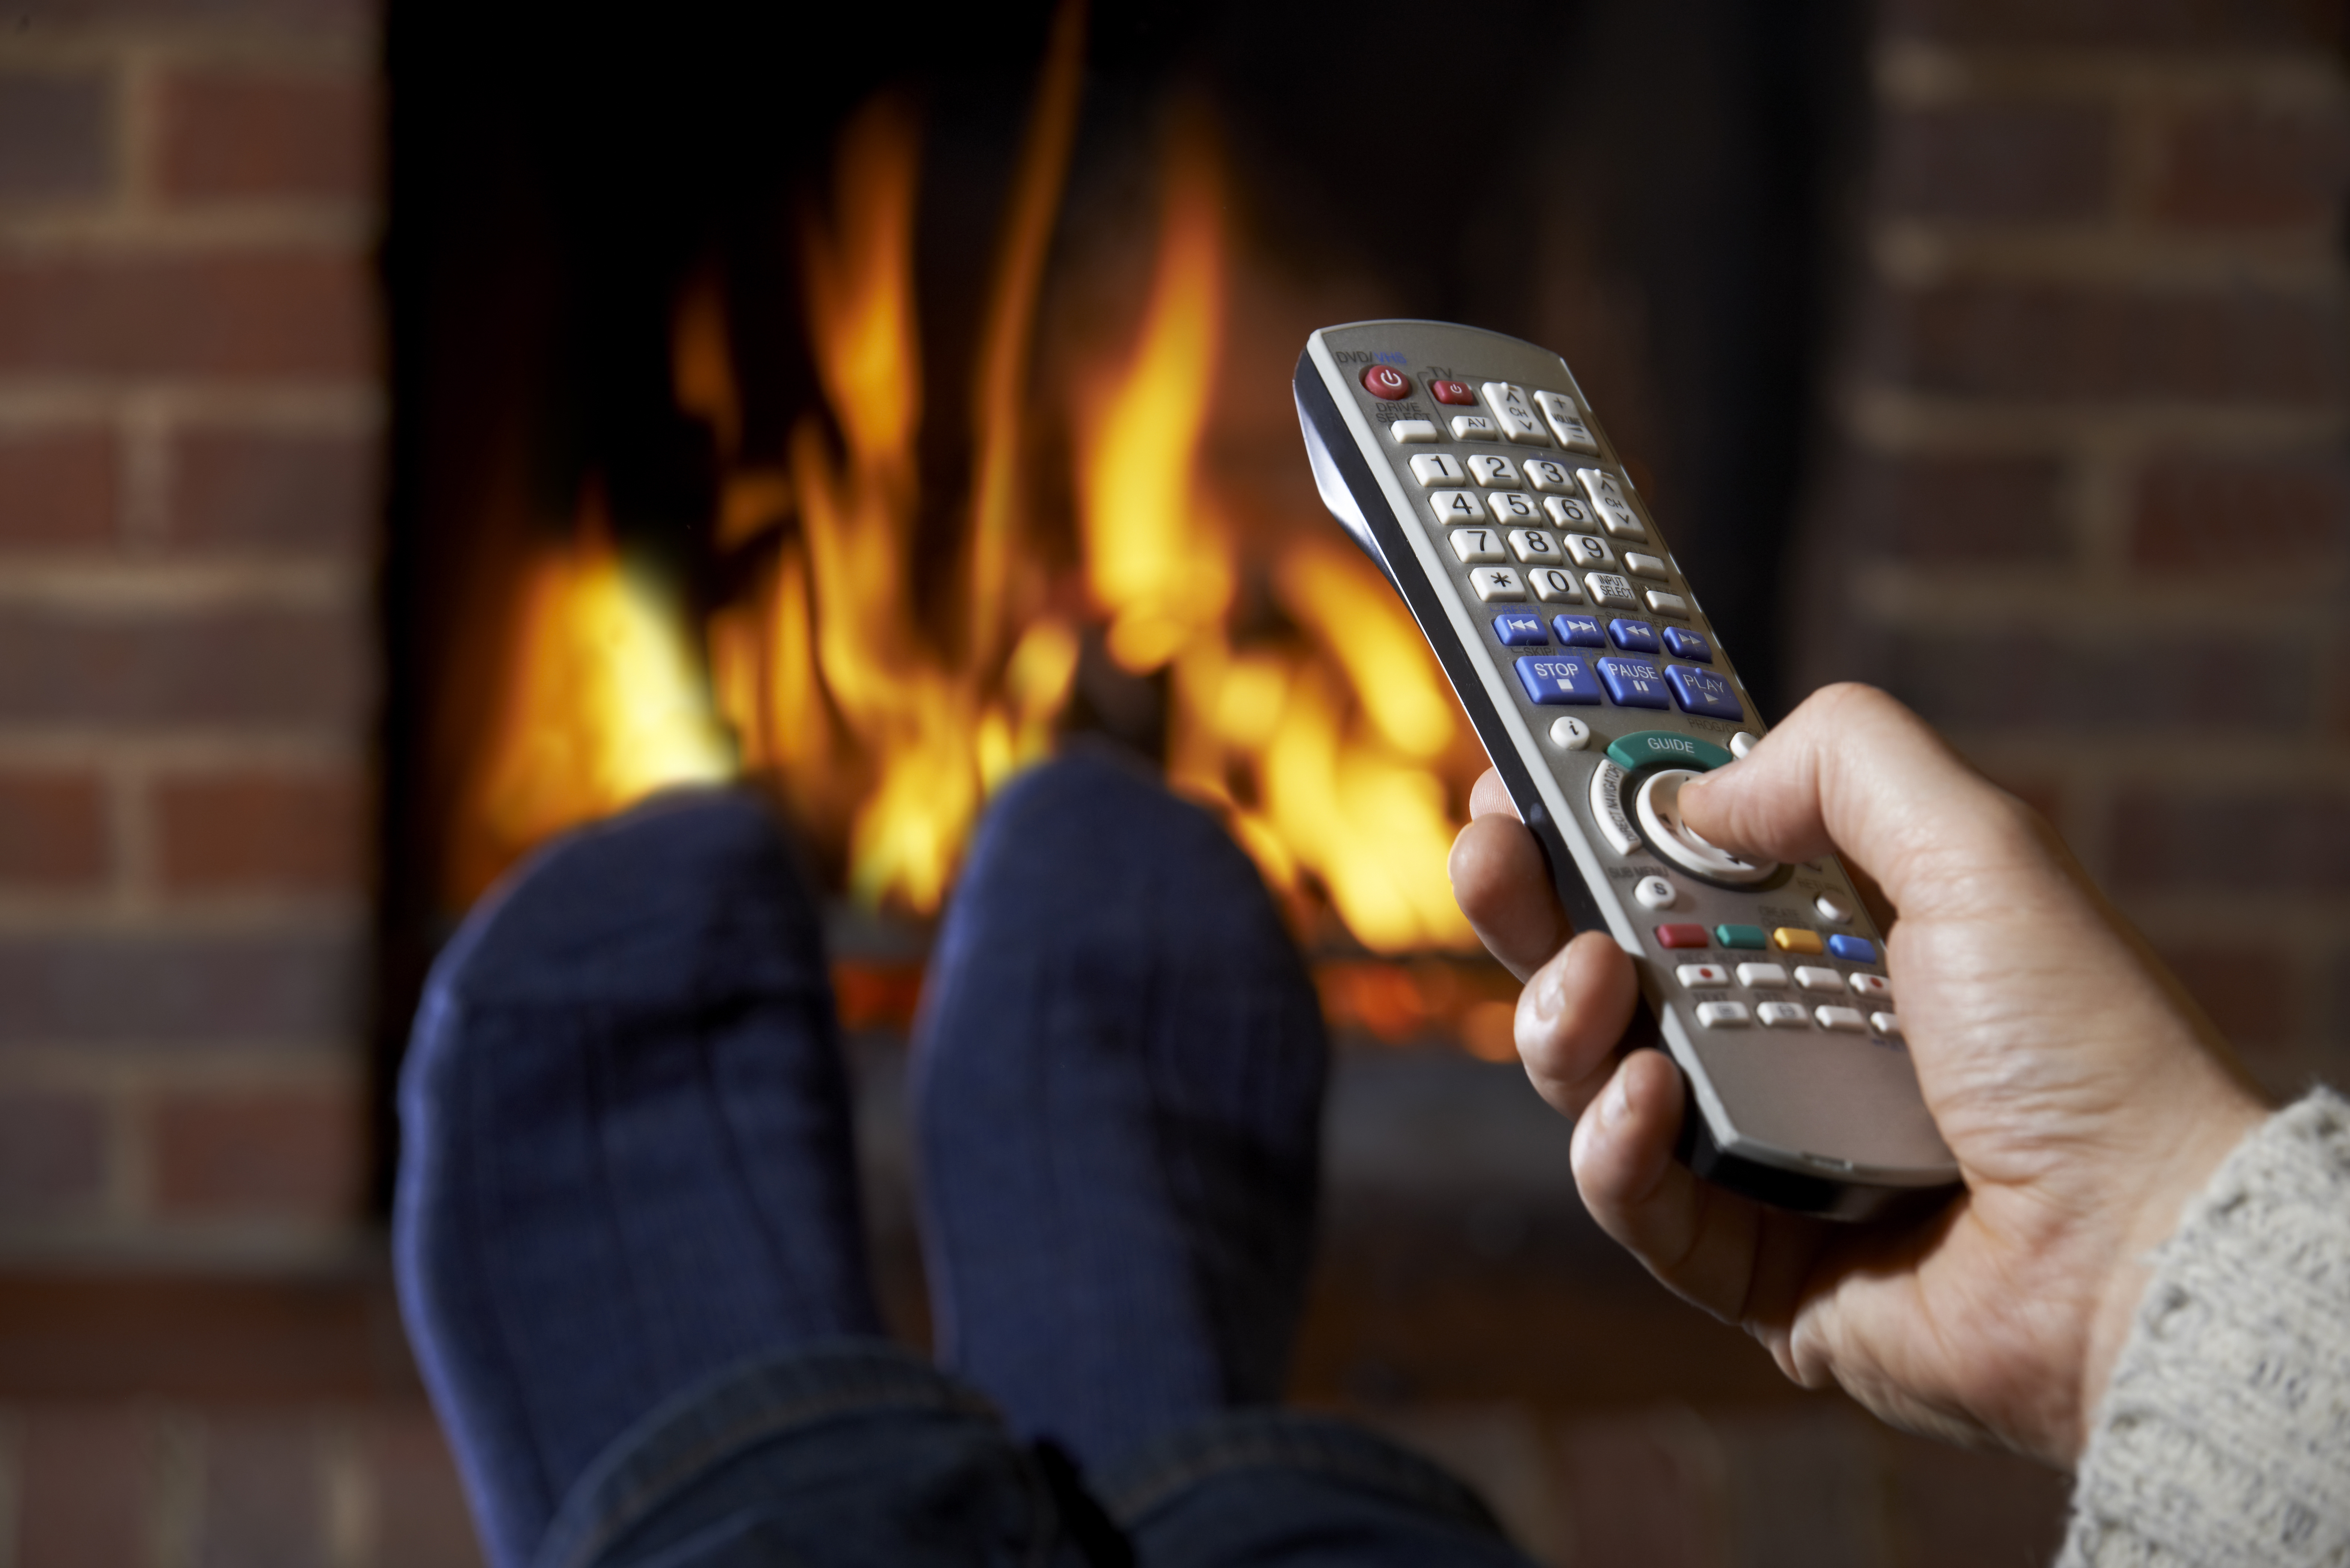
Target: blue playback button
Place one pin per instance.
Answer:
(1703, 692)
(1632, 682)
(1520, 631)
(1853, 949)
(1578, 630)
(1634, 636)
(1683, 644)
(1550, 680)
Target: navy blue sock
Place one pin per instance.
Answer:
(1118, 1084)
(626, 1157)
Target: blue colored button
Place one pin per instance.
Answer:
(1520, 631)
(1853, 949)
(1633, 682)
(1578, 630)
(1687, 645)
(1634, 636)
(1550, 680)
(1703, 692)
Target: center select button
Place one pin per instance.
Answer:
(1643, 747)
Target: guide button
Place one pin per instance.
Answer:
(1642, 747)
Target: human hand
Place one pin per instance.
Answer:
(2084, 1095)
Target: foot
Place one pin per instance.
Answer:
(626, 1157)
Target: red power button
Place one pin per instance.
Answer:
(1387, 381)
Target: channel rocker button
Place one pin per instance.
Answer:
(1387, 381)
(1550, 680)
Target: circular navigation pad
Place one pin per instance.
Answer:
(1658, 810)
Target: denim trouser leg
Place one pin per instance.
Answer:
(856, 1453)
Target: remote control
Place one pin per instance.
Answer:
(1469, 467)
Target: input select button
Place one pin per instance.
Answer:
(1642, 747)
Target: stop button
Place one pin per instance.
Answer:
(1387, 381)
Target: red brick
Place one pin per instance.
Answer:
(421, 1521)
(2196, 513)
(285, 1154)
(2244, 841)
(291, 313)
(2159, 24)
(242, 135)
(52, 829)
(260, 832)
(56, 140)
(271, 491)
(242, 667)
(289, 990)
(264, 1498)
(52, 1151)
(84, 1487)
(2004, 682)
(57, 488)
(2251, 992)
(2059, 342)
(1999, 162)
(2249, 166)
(1920, 508)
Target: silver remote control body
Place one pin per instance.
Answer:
(1469, 467)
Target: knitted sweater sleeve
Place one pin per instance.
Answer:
(2225, 1436)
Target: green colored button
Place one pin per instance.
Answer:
(1644, 747)
(1739, 937)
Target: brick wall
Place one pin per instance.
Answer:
(2090, 506)
(189, 417)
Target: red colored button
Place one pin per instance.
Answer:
(1387, 381)
(1682, 937)
(1451, 392)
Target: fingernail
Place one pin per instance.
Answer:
(1550, 995)
(1615, 1104)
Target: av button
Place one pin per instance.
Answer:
(1643, 747)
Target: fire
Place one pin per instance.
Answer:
(884, 696)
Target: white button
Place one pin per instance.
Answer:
(1457, 506)
(1721, 1014)
(1565, 423)
(1673, 604)
(1476, 545)
(1872, 988)
(1783, 1015)
(1519, 422)
(1570, 511)
(1490, 470)
(1814, 979)
(1473, 427)
(1436, 468)
(1833, 909)
(1589, 550)
(1608, 808)
(1552, 586)
(1406, 433)
(1741, 743)
(1608, 589)
(1658, 808)
(1641, 566)
(1845, 1018)
(1887, 1025)
(1762, 976)
(1600, 485)
(1655, 893)
(1692, 975)
(1511, 506)
(1569, 733)
(1621, 520)
(1497, 583)
(1532, 544)
(1548, 476)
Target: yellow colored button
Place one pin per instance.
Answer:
(1795, 939)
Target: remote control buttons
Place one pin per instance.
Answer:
(1550, 477)
(1569, 733)
(1475, 545)
(1490, 470)
(1721, 1014)
(1737, 937)
(1407, 432)
(1853, 949)
(1517, 417)
(1741, 743)
(1658, 810)
(1872, 988)
(1783, 1015)
(1847, 1020)
(1704, 691)
(1683, 643)
(1645, 746)
(1633, 636)
(1552, 586)
(1797, 939)
(1497, 584)
(1610, 591)
(1511, 506)
(1632, 682)
(1457, 506)
(1833, 909)
(1680, 935)
(1607, 811)
(1812, 979)
(1569, 512)
(1579, 632)
(1662, 603)
(1655, 893)
(1550, 680)
(1452, 392)
(1589, 550)
(1558, 411)
(1520, 631)
(1887, 1025)
(1601, 486)
(1474, 427)
(1692, 975)
(1762, 977)
(1641, 566)
(1387, 381)
(1534, 547)
(1438, 468)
